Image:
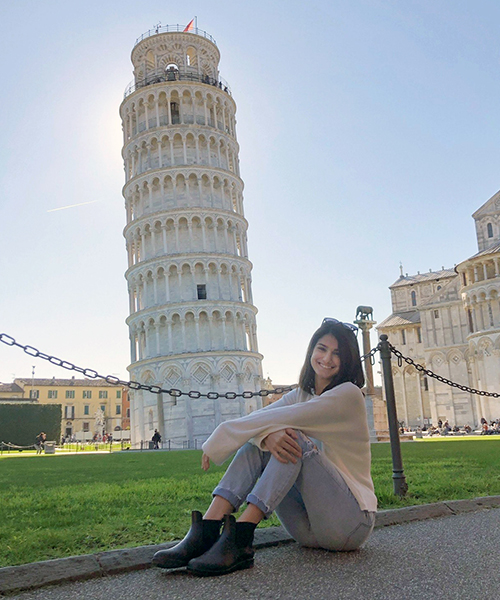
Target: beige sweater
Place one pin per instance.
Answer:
(337, 418)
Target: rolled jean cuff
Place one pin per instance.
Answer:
(229, 496)
(253, 499)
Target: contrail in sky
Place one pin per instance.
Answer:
(72, 205)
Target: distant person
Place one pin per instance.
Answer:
(323, 497)
(156, 439)
(40, 442)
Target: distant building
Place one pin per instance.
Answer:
(80, 399)
(10, 390)
(449, 322)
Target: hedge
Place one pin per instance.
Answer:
(21, 423)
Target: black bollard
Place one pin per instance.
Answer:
(398, 476)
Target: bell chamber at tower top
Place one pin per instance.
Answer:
(167, 54)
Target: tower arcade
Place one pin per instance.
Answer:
(192, 320)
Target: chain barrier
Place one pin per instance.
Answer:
(176, 393)
(14, 446)
(429, 373)
(135, 385)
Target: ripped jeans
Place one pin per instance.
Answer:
(311, 498)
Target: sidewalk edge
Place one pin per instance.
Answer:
(39, 574)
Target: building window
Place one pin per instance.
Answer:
(174, 111)
(426, 384)
(490, 230)
(86, 409)
(118, 393)
(471, 322)
(414, 298)
(103, 407)
(34, 394)
(87, 394)
(103, 394)
(70, 394)
(69, 412)
(201, 291)
(151, 424)
(419, 335)
(403, 337)
(52, 394)
(128, 413)
(464, 278)
(86, 426)
(118, 409)
(436, 314)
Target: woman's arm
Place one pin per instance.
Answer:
(335, 410)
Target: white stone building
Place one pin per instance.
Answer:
(192, 319)
(449, 322)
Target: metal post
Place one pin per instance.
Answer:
(398, 476)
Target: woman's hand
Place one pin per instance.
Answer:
(282, 445)
(205, 462)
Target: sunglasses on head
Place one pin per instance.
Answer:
(349, 326)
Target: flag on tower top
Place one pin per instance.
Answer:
(189, 26)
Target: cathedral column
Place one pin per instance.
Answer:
(205, 110)
(157, 110)
(131, 302)
(177, 243)
(224, 338)
(197, 325)
(203, 237)
(183, 328)
(155, 288)
(169, 336)
(164, 236)
(133, 346)
(146, 115)
(197, 145)
(172, 160)
(157, 331)
(160, 161)
(167, 286)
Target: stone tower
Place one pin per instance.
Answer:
(192, 319)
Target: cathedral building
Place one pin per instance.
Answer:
(192, 320)
(449, 322)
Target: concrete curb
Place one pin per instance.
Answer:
(39, 574)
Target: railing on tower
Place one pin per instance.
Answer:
(179, 28)
(160, 76)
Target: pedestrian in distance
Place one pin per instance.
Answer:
(307, 456)
(40, 442)
(156, 439)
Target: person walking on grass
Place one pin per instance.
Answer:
(156, 439)
(39, 442)
(307, 456)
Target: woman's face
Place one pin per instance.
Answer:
(325, 361)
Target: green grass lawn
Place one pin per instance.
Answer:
(54, 506)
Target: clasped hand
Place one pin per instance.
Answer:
(283, 446)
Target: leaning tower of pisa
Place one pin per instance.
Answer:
(192, 319)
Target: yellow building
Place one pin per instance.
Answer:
(82, 401)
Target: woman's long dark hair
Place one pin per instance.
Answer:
(350, 361)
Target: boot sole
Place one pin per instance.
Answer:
(170, 565)
(244, 564)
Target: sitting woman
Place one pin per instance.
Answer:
(321, 488)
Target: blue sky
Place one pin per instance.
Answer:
(368, 134)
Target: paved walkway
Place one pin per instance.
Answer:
(445, 558)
